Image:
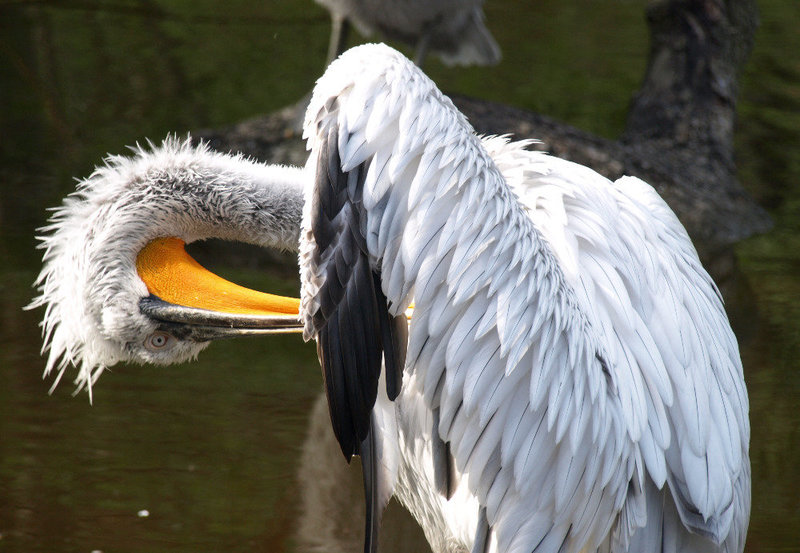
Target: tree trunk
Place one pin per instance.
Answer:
(681, 121)
(688, 97)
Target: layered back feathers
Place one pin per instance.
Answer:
(537, 337)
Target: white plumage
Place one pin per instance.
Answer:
(89, 283)
(571, 381)
(573, 350)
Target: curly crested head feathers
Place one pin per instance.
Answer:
(89, 284)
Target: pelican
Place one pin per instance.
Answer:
(454, 30)
(567, 380)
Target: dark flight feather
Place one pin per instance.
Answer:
(354, 328)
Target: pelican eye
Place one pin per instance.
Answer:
(158, 341)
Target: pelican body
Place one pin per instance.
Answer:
(567, 381)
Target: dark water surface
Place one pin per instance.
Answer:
(205, 456)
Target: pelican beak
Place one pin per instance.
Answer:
(194, 303)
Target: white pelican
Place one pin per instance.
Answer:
(571, 382)
(454, 30)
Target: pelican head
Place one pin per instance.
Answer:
(117, 284)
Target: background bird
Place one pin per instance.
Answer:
(571, 380)
(453, 30)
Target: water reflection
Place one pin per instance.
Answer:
(332, 510)
(211, 449)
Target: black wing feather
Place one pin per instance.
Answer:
(394, 338)
(353, 325)
(374, 511)
(331, 357)
(353, 310)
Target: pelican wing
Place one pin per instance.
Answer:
(661, 319)
(497, 339)
(349, 316)
(351, 322)
(528, 339)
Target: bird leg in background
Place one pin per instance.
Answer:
(340, 29)
(422, 48)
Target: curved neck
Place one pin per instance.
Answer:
(193, 194)
(240, 200)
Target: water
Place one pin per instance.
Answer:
(210, 450)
